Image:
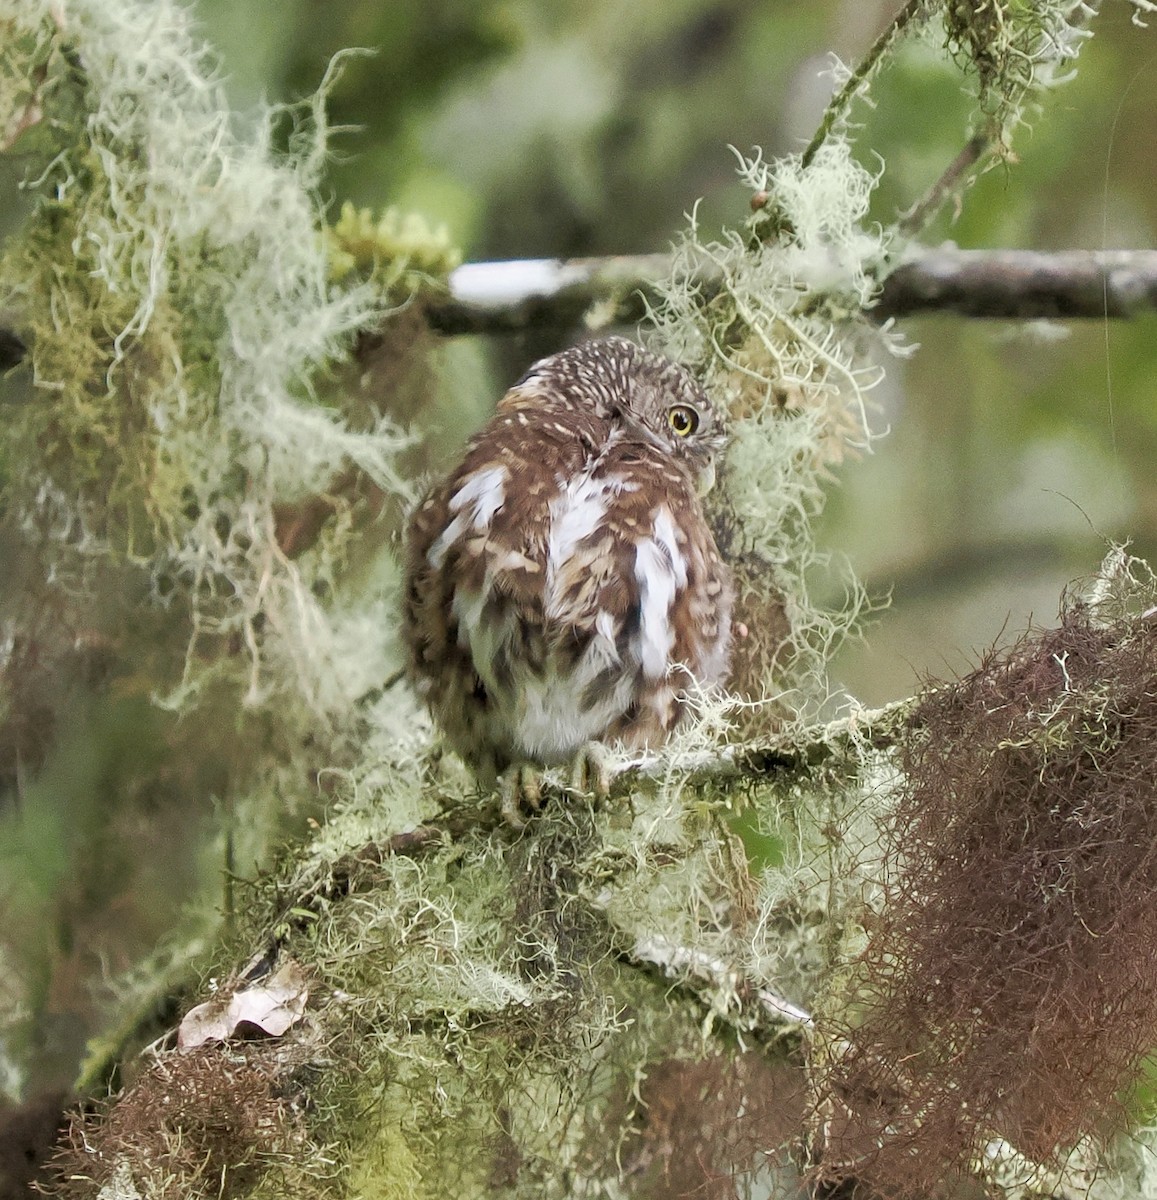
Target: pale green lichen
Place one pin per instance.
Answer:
(1130, 1169)
(1017, 51)
(499, 1035)
(174, 282)
(782, 347)
(482, 1021)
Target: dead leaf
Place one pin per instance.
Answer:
(273, 1005)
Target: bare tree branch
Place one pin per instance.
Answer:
(1024, 284)
(1020, 285)
(950, 184)
(508, 297)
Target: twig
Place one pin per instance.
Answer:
(714, 982)
(837, 109)
(1023, 284)
(684, 963)
(796, 754)
(950, 183)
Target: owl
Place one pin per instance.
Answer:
(563, 588)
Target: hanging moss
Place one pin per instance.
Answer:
(602, 1002)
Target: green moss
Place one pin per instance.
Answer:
(489, 1006)
(399, 251)
(382, 1165)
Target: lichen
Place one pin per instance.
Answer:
(782, 347)
(493, 1012)
(174, 283)
(1016, 51)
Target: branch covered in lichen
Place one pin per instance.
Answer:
(488, 1007)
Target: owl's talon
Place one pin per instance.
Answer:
(520, 788)
(590, 771)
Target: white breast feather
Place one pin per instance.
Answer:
(660, 572)
(575, 514)
(474, 505)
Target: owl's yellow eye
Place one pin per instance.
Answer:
(683, 420)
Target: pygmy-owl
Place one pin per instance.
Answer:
(562, 584)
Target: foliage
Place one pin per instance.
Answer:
(217, 438)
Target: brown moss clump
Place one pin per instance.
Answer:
(1009, 988)
(211, 1123)
(716, 1129)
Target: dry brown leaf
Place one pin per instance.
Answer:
(273, 1006)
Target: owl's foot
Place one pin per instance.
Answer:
(520, 788)
(520, 785)
(590, 771)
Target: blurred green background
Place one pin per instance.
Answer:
(555, 127)
(584, 127)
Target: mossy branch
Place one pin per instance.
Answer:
(838, 748)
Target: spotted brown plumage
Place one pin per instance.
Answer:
(562, 584)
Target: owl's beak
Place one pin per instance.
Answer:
(705, 480)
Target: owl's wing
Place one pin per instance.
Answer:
(476, 560)
(486, 529)
(666, 588)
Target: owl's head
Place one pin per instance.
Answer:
(621, 382)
